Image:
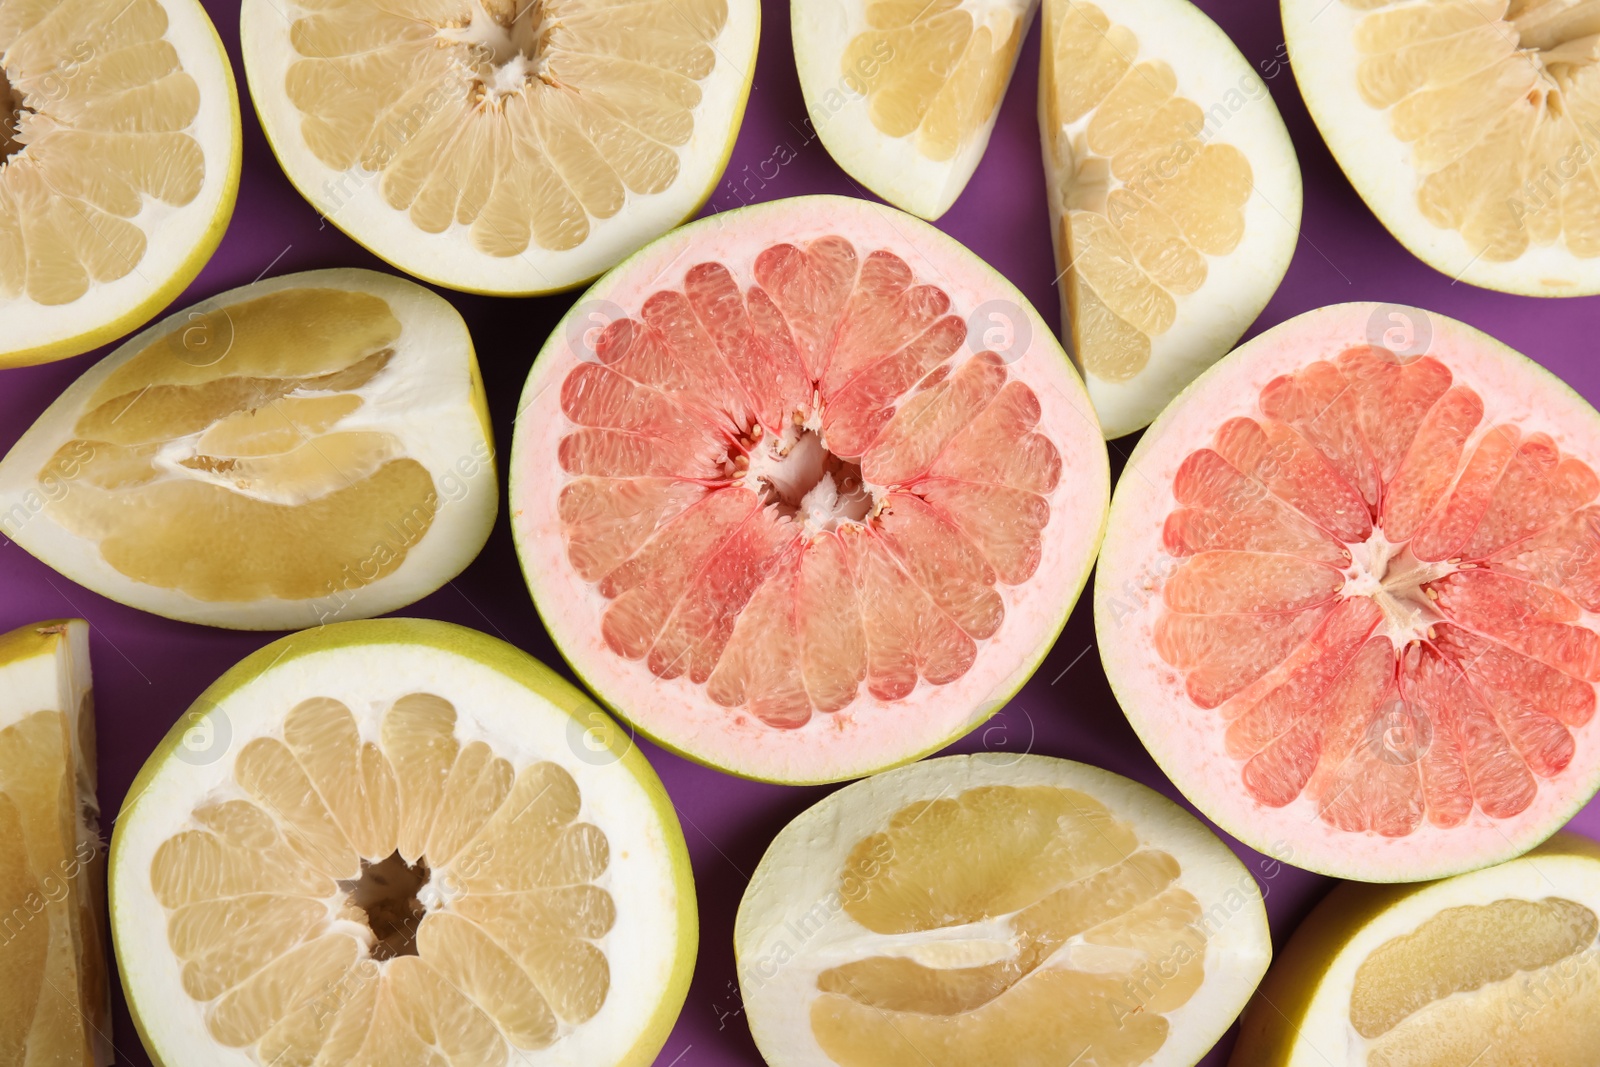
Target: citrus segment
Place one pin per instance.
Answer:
(794, 484)
(278, 422)
(1175, 203)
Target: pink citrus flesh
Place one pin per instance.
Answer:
(1367, 597)
(784, 510)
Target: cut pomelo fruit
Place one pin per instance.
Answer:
(393, 843)
(1174, 195)
(1468, 126)
(498, 147)
(904, 93)
(55, 1001)
(309, 447)
(805, 490)
(1498, 968)
(1348, 591)
(997, 909)
(119, 162)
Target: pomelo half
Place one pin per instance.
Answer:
(55, 1000)
(399, 842)
(997, 910)
(500, 146)
(311, 447)
(904, 93)
(1174, 195)
(1498, 968)
(806, 489)
(119, 163)
(1348, 591)
(1468, 126)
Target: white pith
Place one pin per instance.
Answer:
(793, 469)
(1396, 581)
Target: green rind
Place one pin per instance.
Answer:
(499, 656)
(36, 639)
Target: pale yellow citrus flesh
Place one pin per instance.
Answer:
(1495, 985)
(1144, 198)
(1020, 925)
(527, 122)
(96, 118)
(213, 461)
(1499, 101)
(294, 906)
(931, 71)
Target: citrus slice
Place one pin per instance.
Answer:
(55, 1000)
(1498, 968)
(904, 93)
(805, 490)
(499, 147)
(1347, 597)
(1174, 195)
(996, 909)
(1468, 126)
(119, 162)
(394, 843)
(306, 448)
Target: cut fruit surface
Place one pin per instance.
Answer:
(996, 909)
(500, 147)
(306, 448)
(1497, 968)
(400, 842)
(1468, 126)
(905, 94)
(119, 162)
(781, 509)
(55, 1000)
(1348, 595)
(1174, 195)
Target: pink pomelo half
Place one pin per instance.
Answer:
(1348, 595)
(806, 490)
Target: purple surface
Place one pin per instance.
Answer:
(148, 669)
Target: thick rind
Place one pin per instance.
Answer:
(589, 722)
(799, 875)
(131, 300)
(448, 259)
(1127, 597)
(453, 442)
(1320, 38)
(1295, 1018)
(737, 236)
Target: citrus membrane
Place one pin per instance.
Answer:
(119, 161)
(398, 842)
(55, 1001)
(1174, 195)
(783, 508)
(304, 448)
(498, 147)
(996, 909)
(1348, 591)
(1495, 968)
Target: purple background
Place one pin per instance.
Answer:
(148, 669)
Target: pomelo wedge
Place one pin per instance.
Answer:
(1498, 968)
(805, 490)
(55, 1000)
(399, 842)
(1468, 126)
(1348, 591)
(997, 910)
(119, 163)
(904, 93)
(502, 147)
(307, 448)
(1174, 195)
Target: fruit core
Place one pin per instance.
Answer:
(507, 44)
(388, 894)
(1385, 597)
(800, 482)
(13, 105)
